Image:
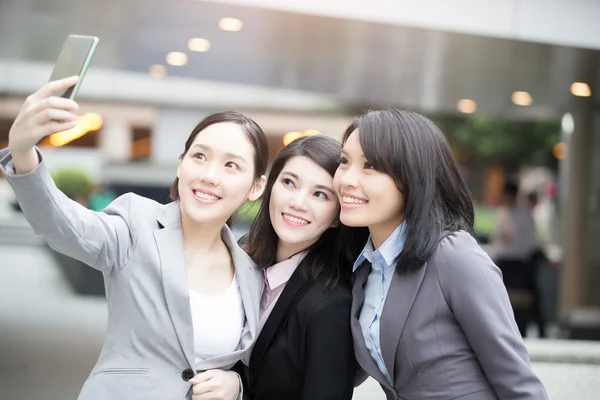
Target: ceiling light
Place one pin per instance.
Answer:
(177, 58)
(198, 44)
(466, 106)
(157, 71)
(522, 98)
(581, 89)
(231, 24)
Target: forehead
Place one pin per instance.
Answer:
(308, 171)
(352, 144)
(226, 137)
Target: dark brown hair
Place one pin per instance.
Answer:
(412, 150)
(324, 260)
(255, 135)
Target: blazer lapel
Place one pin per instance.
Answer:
(169, 241)
(363, 356)
(400, 298)
(249, 278)
(294, 290)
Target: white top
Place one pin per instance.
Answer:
(218, 321)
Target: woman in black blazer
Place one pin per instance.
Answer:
(304, 350)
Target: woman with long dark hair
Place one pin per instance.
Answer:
(304, 350)
(431, 318)
(182, 296)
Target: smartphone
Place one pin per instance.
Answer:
(74, 59)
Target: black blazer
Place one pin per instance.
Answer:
(305, 349)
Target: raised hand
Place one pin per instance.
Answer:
(41, 115)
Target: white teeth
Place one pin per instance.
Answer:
(352, 200)
(205, 196)
(295, 220)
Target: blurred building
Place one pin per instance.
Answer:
(296, 65)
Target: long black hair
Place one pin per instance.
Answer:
(328, 258)
(415, 153)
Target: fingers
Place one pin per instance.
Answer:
(202, 388)
(55, 86)
(54, 102)
(202, 377)
(54, 127)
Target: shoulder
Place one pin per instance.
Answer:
(459, 260)
(134, 208)
(323, 299)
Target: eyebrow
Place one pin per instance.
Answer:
(345, 153)
(322, 187)
(227, 154)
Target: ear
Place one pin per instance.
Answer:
(258, 188)
(179, 167)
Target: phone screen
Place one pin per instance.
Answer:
(74, 59)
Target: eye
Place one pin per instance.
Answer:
(232, 165)
(321, 195)
(368, 165)
(343, 160)
(200, 156)
(287, 182)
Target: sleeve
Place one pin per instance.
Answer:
(473, 288)
(239, 369)
(103, 240)
(330, 365)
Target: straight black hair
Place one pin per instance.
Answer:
(327, 259)
(415, 153)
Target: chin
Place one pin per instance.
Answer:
(353, 221)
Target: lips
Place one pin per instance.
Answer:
(295, 220)
(353, 200)
(206, 195)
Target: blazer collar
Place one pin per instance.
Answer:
(293, 292)
(169, 241)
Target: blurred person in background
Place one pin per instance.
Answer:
(431, 317)
(183, 298)
(514, 248)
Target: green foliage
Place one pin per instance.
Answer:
(509, 142)
(247, 212)
(73, 182)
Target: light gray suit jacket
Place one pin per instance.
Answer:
(448, 331)
(137, 243)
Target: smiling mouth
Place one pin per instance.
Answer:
(206, 196)
(353, 201)
(293, 220)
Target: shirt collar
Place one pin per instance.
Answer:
(278, 274)
(388, 251)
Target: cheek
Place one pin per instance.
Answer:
(326, 214)
(337, 180)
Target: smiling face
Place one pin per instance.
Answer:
(369, 198)
(302, 206)
(216, 175)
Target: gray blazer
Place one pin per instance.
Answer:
(137, 243)
(448, 331)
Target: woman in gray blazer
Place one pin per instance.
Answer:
(153, 256)
(431, 318)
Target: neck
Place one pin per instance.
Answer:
(205, 238)
(285, 251)
(380, 233)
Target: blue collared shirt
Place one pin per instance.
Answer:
(376, 289)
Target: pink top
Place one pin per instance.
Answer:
(276, 277)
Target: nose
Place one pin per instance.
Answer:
(348, 178)
(299, 201)
(210, 175)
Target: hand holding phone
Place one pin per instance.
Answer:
(74, 60)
